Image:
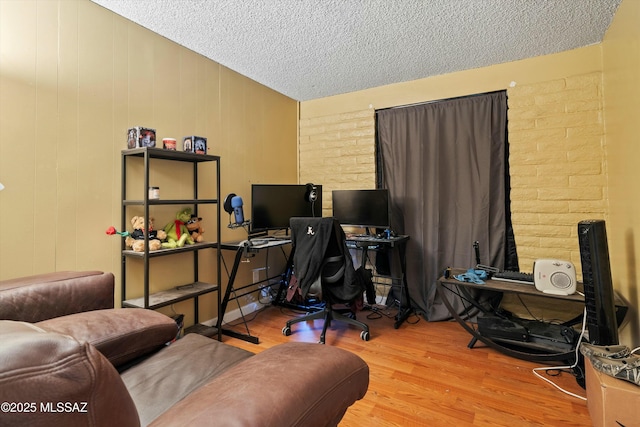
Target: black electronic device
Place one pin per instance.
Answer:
(514, 277)
(530, 334)
(362, 208)
(311, 195)
(598, 285)
(273, 204)
(227, 203)
(233, 205)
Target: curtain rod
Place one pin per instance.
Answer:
(439, 100)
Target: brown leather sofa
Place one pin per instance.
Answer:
(68, 358)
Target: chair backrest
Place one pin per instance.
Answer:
(320, 250)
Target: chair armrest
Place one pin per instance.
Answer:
(291, 384)
(41, 297)
(120, 334)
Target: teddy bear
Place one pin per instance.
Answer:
(135, 240)
(194, 225)
(177, 233)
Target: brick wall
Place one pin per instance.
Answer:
(338, 152)
(557, 161)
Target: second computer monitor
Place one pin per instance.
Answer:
(362, 208)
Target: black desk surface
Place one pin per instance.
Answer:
(269, 243)
(502, 286)
(373, 240)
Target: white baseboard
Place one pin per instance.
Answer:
(236, 314)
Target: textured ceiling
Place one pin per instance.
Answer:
(312, 49)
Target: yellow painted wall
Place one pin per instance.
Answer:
(338, 151)
(557, 135)
(73, 78)
(548, 95)
(621, 58)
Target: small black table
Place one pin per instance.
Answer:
(398, 245)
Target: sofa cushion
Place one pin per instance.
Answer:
(121, 334)
(292, 384)
(43, 296)
(58, 381)
(168, 376)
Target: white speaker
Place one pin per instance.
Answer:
(554, 276)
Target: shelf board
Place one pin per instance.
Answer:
(160, 153)
(171, 251)
(170, 202)
(171, 296)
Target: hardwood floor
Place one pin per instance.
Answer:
(423, 374)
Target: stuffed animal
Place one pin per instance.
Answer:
(194, 225)
(177, 233)
(135, 240)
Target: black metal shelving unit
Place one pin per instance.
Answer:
(184, 291)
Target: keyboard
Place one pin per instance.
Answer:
(260, 242)
(514, 276)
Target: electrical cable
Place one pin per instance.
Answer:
(535, 370)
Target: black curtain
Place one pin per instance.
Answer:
(445, 164)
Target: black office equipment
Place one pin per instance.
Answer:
(273, 204)
(598, 285)
(514, 276)
(320, 256)
(531, 334)
(362, 208)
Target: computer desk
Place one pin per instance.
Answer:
(242, 249)
(398, 244)
(363, 243)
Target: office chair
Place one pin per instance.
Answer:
(320, 255)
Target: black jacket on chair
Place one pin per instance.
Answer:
(315, 240)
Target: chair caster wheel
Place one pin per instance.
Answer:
(286, 331)
(364, 335)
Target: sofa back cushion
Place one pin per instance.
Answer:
(51, 379)
(44, 296)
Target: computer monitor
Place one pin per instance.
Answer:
(273, 204)
(362, 208)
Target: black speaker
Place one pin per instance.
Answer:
(598, 285)
(311, 195)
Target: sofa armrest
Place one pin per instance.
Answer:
(41, 297)
(41, 369)
(120, 334)
(291, 384)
